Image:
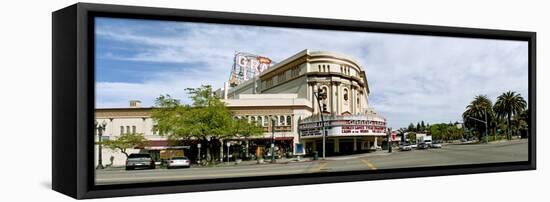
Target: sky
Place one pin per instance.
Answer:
(411, 77)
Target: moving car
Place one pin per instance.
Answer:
(179, 161)
(139, 161)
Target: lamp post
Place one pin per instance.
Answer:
(272, 148)
(228, 144)
(100, 128)
(321, 95)
(199, 148)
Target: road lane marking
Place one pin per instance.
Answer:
(369, 164)
(322, 166)
(318, 168)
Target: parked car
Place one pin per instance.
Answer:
(435, 145)
(413, 146)
(139, 161)
(178, 162)
(405, 147)
(422, 146)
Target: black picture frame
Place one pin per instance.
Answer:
(73, 100)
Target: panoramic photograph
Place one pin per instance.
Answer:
(178, 101)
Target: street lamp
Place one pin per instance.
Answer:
(199, 148)
(100, 128)
(272, 148)
(321, 95)
(228, 144)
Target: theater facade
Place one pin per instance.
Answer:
(282, 100)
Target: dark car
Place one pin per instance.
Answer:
(422, 146)
(139, 161)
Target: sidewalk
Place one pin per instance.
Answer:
(266, 162)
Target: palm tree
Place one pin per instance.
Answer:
(479, 108)
(507, 105)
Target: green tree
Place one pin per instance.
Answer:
(422, 125)
(207, 119)
(411, 136)
(126, 141)
(507, 105)
(411, 128)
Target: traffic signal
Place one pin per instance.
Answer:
(324, 107)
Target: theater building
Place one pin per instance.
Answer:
(282, 99)
(285, 93)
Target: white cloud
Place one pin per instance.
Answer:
(412, 78)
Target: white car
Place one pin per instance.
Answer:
(405, 147)
(180, 161)
(435, 145)
(414, 146)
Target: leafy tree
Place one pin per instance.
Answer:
(126, 141)
(422, 126)
(411, 136)
(411, 128)
(507, 105)
(207, 119)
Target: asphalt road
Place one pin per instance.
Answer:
(448, 155)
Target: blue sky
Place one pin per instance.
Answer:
(412, 78)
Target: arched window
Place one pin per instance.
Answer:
(133, 129)
(346, 96)
(127, 129)
(288, 120)
(266, 119)
(121, 130)
(281, 120)
(274, 120)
